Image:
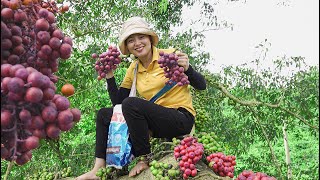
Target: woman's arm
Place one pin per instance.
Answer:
(196, 79)
(116, 95)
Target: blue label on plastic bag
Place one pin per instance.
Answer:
(118, 146)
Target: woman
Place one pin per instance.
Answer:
(171, 115)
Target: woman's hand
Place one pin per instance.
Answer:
(109, 74)
(183, 60)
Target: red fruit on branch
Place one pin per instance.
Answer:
(32, 142)
(52, 131)
(107, 61)
(6, 119)
(172, 70)
(31, 48)
(6, 14)
(185, 153)
(221, 164)
(67, 90)
(76, 114)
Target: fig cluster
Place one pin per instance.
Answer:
(30, 111)
(31, 47)
(105, 173)
(221, 164)
(30, 36)
(106, 61)
(202, 120)
(210, 142)
(168, 61)
(48, 174)
(189, 152)
(248, 174)
(161, 170)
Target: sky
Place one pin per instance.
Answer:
(291, 26)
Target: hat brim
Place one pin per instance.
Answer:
(122, 43)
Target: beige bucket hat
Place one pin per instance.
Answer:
(132, 26)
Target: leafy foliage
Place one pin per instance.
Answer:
(250, 116)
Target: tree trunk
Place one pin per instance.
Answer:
(287, 150)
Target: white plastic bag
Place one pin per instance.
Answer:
(119, 148)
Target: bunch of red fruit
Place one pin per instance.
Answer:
(221, 164)
(246, 175)
(31, 48)
(107, 61)
(189, 152)
(169, 63)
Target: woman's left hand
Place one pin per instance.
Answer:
(183, 60)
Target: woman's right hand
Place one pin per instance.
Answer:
(109, 74)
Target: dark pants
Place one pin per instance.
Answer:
(142, 116)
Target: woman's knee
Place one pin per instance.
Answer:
(103, 113)
(129, 102)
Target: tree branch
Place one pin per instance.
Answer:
(55, 146)
(253, 103)
(10, 164)
(268, 140)
(91, 32)
(250, 103)
(215, 29)
(300, 118)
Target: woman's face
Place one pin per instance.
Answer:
(139, 45)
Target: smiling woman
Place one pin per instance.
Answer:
(169, 115)
(140, 46)
(135, 25)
